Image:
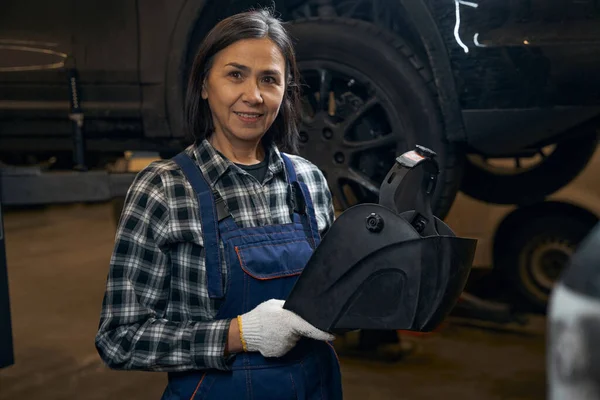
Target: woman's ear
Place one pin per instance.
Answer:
(204, 92)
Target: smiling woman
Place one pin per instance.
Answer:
(244, 90)
(245, 71)
(211, 242)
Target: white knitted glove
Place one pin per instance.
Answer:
(273, 331)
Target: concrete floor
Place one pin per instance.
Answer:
(57, 264)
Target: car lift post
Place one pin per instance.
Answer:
(77, 117)
(6, 344)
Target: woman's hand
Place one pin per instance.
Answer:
(273, 331)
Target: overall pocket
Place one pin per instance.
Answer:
(274, 259)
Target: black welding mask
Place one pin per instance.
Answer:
(392, 265)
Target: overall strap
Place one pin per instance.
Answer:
(208, 220)
(303, 204)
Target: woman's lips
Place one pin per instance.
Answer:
(248, 117)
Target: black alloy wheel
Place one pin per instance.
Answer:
(367, 99)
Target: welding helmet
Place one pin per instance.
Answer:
(392, 265)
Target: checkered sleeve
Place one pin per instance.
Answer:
(133, 333)
(320, 194)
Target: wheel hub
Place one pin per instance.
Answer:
(346, 131)
(322, 142)
(548, 260)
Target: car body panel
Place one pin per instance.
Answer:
(132, 59)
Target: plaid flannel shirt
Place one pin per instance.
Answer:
(156, 313)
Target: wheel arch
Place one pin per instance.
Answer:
(186, 22)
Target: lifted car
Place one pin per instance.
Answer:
(472, 80)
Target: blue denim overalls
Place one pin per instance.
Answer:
(262, 263)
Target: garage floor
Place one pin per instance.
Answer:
(57, 264)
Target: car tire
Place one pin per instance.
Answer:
(530, 256)
(401, 83)
(560, 167)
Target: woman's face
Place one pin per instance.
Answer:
(245, 88)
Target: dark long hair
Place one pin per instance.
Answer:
(253, 24)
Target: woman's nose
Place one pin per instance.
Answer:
(252, 92)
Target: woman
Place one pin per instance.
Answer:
(211, 242)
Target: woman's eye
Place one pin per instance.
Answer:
(269, 79)
(235, 74)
